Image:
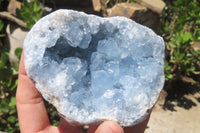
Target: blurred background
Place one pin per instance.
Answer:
(177, 21)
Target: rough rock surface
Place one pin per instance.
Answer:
(125, 9)
(155, 5)
(92, 68)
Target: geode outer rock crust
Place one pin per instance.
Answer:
(93, 69)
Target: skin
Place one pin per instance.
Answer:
(33, 116)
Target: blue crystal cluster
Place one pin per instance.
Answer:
(92, 68)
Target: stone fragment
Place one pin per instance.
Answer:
(155, 5)
(15, 38)
(10, 17)
(93, 69)
(125, 9)
(196, 46)
(96, 5)
(13, 5)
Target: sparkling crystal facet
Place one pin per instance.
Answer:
(92, 68)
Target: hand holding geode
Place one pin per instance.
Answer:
(92, 68)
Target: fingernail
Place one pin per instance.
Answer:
(109, 127)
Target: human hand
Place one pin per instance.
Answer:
(33, 116)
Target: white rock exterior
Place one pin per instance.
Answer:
(93, 69)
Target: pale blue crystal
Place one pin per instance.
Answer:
(92, 68)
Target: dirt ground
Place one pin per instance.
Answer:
(173, 117)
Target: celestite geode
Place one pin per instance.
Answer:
(93, 69)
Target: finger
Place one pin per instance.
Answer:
(30, 106)
(65, 126)
(109, 127)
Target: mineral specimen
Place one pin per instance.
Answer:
(93, 69)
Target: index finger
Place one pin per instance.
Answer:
(32, 113)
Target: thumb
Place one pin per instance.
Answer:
(109, 127)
